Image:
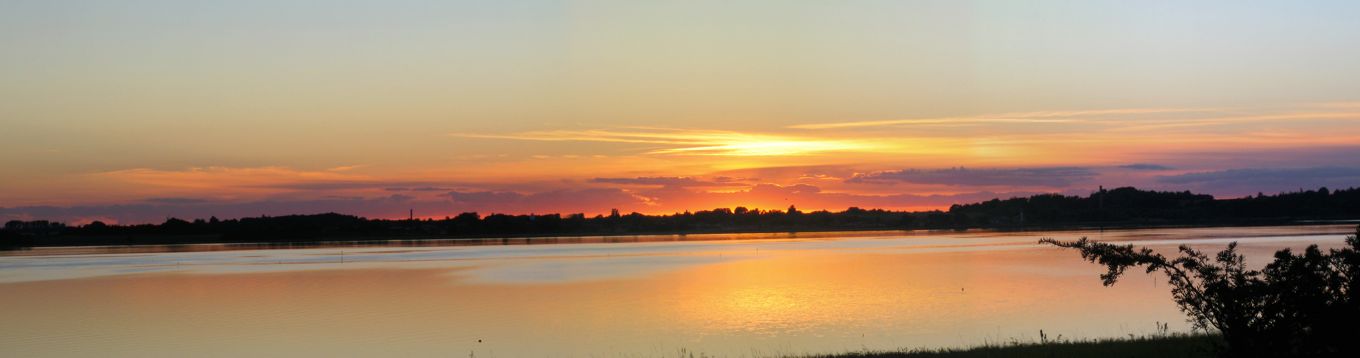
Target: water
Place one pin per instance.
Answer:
(723, 295)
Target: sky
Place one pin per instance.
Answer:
(135, 111)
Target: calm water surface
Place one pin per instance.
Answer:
(723, 295)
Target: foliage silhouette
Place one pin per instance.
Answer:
(1300, 305)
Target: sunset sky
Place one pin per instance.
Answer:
(134, 111)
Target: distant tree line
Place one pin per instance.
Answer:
(1116, 207)
(1132, 206)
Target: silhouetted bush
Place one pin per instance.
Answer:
(1300, 305)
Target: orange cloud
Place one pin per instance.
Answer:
(226, 182)
(218, 177)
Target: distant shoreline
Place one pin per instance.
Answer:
(437, 241)
(1116, 209)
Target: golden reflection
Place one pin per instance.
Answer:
(763, 301)
(789, 292)
(740, 299)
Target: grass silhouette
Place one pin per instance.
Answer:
(1163, 345)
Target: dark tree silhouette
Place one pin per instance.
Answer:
(1300, 305)
(1123, 207)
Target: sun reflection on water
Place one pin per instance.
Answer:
(727, 298)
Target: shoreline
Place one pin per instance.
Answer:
(179, 243)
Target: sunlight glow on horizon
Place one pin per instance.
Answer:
(695, 142)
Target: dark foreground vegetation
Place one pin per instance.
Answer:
(1300, 305)
(1168, 346)
(1122, 207)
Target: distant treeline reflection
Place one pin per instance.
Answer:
(1117, 207)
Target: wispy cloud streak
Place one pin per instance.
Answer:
(696, 142)
(1043, 117)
